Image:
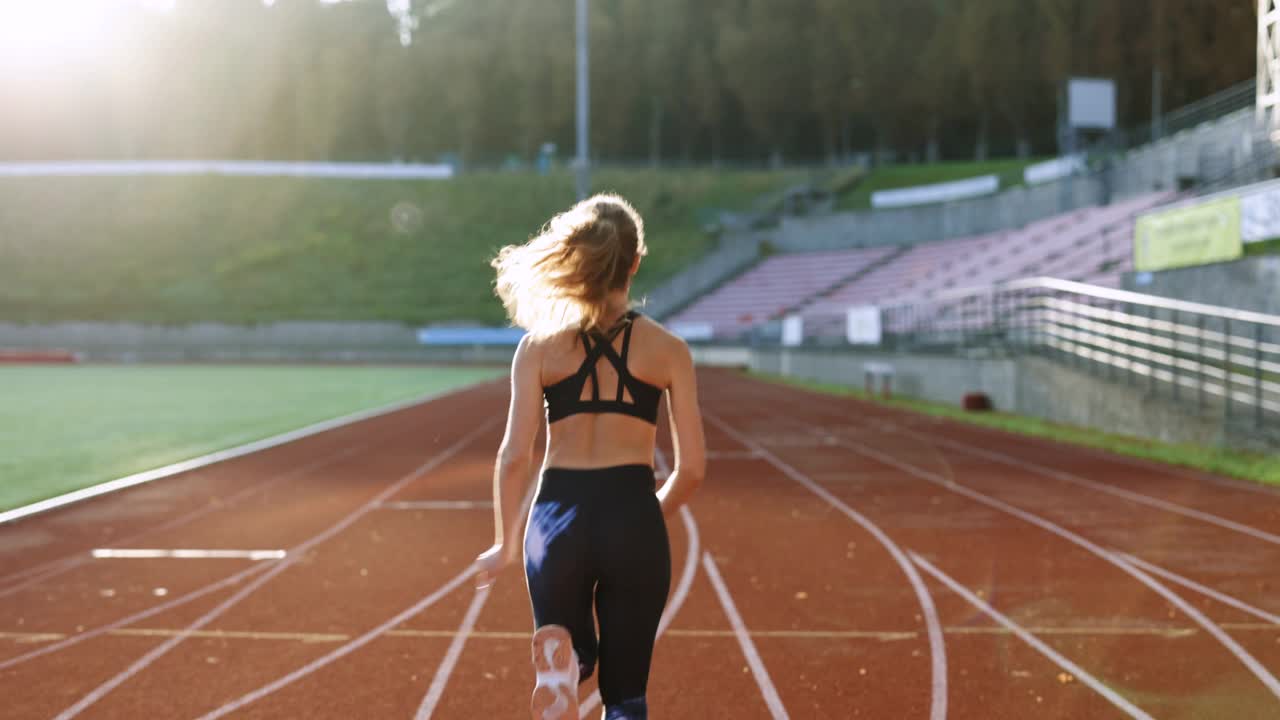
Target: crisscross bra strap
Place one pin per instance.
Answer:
(599, 345)
(564, 398)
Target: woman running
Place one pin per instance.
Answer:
(596, 536)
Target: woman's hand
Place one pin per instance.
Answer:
(492, 562)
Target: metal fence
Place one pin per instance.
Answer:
(1220, 104)
(1203, 356)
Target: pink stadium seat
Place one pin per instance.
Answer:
(776, 285)
(1089, 245)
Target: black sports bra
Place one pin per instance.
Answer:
(564, 398)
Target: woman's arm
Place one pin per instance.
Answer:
(686, 434)
(514, 465)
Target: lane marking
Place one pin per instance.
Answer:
(1130, 495)
(1132, 570)
(185, 554)
(1202, 589)
(1148, 464)
(450, 634)
(32, 570)
(57, 567)
(1170, 633)
(156, 653)
(309, 638)
(437, 505)
(295, 554)
(692, 548)
(202, 461)
(31, 638)
(1115, 699)
(1251, 663)
(732, 455)
(933, 625)
(441, 679)
(1084, 631)
(136, 617)
(758, 670)
(882, 636)
(343, 650)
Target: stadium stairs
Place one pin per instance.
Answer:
(1090, 245)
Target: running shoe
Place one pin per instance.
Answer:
(555, 697)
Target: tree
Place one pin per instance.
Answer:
(767, 68)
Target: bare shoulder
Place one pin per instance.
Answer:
(667, 343)
(547, 344)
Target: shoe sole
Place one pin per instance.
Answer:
(553, 656)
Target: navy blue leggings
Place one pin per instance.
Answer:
(597, 538)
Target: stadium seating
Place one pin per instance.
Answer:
(1092, 245)
(776, 285)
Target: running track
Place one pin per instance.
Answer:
(843, 560)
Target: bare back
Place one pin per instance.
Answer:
(590, 440)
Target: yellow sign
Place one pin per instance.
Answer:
(1186, 236)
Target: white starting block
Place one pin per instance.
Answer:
(878, 371)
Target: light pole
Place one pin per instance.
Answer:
(582, 164)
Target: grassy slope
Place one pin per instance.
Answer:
(69, 427)
(892, 177)
(248, 250)
(1246, 466)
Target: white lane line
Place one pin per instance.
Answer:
(1115, 698)
(1130, 569)
(732, 455)
(1202, 589)
(437, 505)
(217, 457)
(767, 689)
(136, 617)
(692, 548)
(1100, 487)
(441, 679)
(687, 575)
(294, 555)
(57, 567)
(185, 554)
(159, 651)
(933, 625)
(344, 650)
(33, 569)
(1146, 464)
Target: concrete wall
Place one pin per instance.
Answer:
(1249, 284)
(1202, 153)
(1048, 390)
(1012, 208)
(939, 379)
(1030, 386)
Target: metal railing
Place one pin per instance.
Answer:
(1224, 102)
(1203, 355)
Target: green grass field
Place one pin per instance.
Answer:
(65, 428)
(1245, 466)
(892, 177)
(250, 250)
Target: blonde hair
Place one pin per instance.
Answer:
(562, 277)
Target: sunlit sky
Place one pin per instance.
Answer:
(43, 31)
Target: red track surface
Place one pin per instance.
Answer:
(813, 508)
